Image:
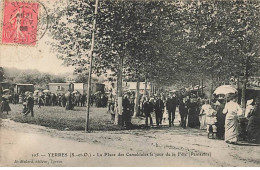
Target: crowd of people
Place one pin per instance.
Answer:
(221, 117)
(50, 99)
(68, 100)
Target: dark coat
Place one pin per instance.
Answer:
(126, 105)
(5, 105)
(148, 107)
(171, 103)
(30, 102)
(83, 98)
(183, 108)
(159, 106)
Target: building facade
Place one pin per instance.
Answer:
(60, 87)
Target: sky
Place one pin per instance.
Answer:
(32, 57)
(37, 57)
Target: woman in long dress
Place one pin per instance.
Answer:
(232, 111)
(5, 105)
(193, 115)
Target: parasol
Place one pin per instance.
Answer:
(172, 91)
(46, 91)
(36, 91)
(187, 89)
(6, 90)
(27, 93)
(225, 89)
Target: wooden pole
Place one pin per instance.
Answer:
(90, 67)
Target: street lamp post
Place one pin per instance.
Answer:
(90, 66)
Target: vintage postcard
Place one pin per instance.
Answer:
(129, 83)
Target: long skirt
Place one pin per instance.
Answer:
(231, 129)
(253, 128)
(193, 118)
(203, 123)
(5, 106)
(221, 125)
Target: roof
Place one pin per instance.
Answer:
(6, 83)
(252, 88)
(132, 85)
(24, 84)
(59, 83)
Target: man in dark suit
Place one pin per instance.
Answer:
(171, 104)
(126, 111)
(183, 110)
(158, 107)
(148, 109)
(30, 104)
(83, 100)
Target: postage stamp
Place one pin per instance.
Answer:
(20, 21)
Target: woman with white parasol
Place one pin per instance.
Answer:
(232, 111)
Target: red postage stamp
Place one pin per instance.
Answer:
(20, 21)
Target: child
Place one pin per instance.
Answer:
(211, 119)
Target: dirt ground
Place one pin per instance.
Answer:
(32, 145)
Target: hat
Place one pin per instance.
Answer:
(249, 102)
(220, 97)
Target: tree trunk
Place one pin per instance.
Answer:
(243, 95)
(246, 75)
(145, 86)
(116, 103)
(211, 88)
(245, 80)
(137, 95)
(202, 86)
(198, 90)
(238, 92)
(118, 117)
(243, 99)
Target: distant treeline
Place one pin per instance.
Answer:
(31, 76)
(40, 79)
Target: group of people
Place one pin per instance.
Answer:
(224, 119)
(28, 104)
(100, 99)
(67, 100)
(221, 117)
(163, 105)
(159, 105)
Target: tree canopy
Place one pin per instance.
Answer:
(165, 41)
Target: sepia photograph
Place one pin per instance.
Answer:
(129, 83)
